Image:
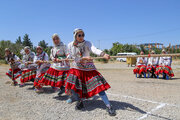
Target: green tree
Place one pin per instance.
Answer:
(106, 51)
(143, 49)
(43, 44)
(15, 48)
(117, 47)
(18, 40)
(27, 41)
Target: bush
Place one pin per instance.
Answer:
(3, 62)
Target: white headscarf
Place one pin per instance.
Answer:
(78, 47)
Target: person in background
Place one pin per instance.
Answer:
(27, 67)
(83, 78)
(57, 73)
(165, 66)
(141, 65)
(41, 59)
(14, 72)
(152, 64)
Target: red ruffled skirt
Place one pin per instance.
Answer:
(140, 69)
(28, 75)
(86, 83)
(150, 67)
(16, 73)
(37, 79)
(159, 70)
(166, 69)
(54, 78)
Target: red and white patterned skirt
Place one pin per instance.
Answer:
(28, 75)
(16, 73)
(86, 83)
(54, 78)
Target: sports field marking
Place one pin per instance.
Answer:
(152, 110)
(159, 106)
(144, 100)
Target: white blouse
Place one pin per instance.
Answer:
(89, 48)
(16, 64)
(153, 61)
(165, 61)
(142, 61)
(60, 52)
(43, 56)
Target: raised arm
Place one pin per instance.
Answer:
(95, 50)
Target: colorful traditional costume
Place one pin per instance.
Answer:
(28, 69)
(83, 76)
(165, 67)
(41, 69)
(141, 66)
(152, 65)
(14, 72)
(57, 73)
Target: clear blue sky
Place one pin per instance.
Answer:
(107, 21)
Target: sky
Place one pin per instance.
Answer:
(103, 21)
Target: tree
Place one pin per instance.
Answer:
(15, 48)
(18, 40)
(27, 41)
(43, 44)
(117, 47)
(106, 51)
(143, 49)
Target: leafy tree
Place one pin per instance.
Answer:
(117, 47)
(15, 48)
(106, 51)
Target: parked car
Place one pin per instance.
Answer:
(123, 59)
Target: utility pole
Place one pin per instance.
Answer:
(99, 44)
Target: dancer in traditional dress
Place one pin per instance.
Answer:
(141, 66)
(57, 73)
(83, 78)
(28, 68)
(40, 59)
(165, 66)
(152, 64)
(14, 72)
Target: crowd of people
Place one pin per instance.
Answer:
(81, 79)
(154, 66)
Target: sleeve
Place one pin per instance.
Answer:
(46, 57)
(137, 62)
(145, 60)
(6, 59)
(51, 54)
(150, 61)
(16, 57)
(23, 59)
(168, 61)
(95, 50)
(160, 60)
(157, 60)
(70, 54)
(68, 49)
(35, 59)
